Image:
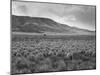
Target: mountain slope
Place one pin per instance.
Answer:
(43, 25)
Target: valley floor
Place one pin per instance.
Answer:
(37, 54)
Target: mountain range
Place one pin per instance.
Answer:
(44, 25)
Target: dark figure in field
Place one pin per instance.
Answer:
(44, 34)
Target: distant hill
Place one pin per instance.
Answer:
(43, 25)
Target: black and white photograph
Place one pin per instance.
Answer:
(52, 37)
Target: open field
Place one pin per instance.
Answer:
(38, 53)
(25, 36)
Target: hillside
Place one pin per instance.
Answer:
(43, 25)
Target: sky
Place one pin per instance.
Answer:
(80, 16)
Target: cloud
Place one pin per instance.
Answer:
(75, 15)
(23, 9)
(86, 15)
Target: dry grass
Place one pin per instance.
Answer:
(50, 55)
